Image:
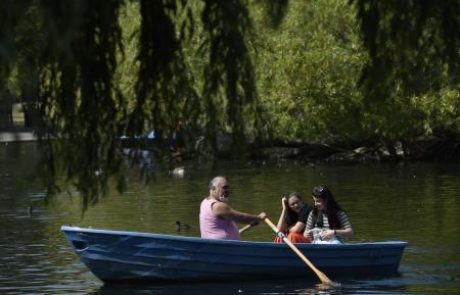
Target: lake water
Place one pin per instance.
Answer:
(418, 203)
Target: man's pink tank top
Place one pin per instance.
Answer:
(213, 227)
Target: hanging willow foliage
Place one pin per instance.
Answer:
(11, 13)
(79, 102)
(230, 86)
(66, 54)
(412, 44)
(162, 85)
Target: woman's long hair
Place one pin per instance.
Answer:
(332, 208)
(292, 216)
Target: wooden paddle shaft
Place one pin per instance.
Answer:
(324, 279)
(245, 228)
(248, 226)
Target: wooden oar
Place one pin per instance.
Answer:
(248, 226)
(324, 279)
(245, 228)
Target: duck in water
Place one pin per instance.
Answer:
(180, 226)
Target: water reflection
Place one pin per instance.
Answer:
(262, 287)
(267, 287)
(417, 203)
(144, 159)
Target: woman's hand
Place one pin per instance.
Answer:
(327, 234)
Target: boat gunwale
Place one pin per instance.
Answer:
(190, 239)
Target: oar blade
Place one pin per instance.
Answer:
(326, 281)
(323, 278)
(328, 286)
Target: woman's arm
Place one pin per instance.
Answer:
(282, 226)
(345, 230)
(308, 226)
(299, 227)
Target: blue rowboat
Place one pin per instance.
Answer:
(116, 256)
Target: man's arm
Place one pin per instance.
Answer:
(225, 211)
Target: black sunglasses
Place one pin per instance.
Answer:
(319, 191)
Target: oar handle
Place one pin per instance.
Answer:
(248, 226)
(324, 279)
(245, 228)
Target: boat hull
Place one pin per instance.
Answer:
(133, 256)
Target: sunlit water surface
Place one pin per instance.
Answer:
(417, 203)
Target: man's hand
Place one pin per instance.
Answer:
(262, 216)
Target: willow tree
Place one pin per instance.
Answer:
(69, 53)
(413, 70)
(308, 70)
(72, 49)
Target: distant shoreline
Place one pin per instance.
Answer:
(17, 136)
(428, 149)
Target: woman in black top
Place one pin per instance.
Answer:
(293, 218)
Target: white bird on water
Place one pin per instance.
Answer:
(178, 172)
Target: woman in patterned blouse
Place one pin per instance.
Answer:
(328, 216)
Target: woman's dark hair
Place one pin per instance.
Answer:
(291, 216)
(332, 207)
(293, 194)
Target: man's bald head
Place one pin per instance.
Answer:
(216, 181)
(218, 188)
